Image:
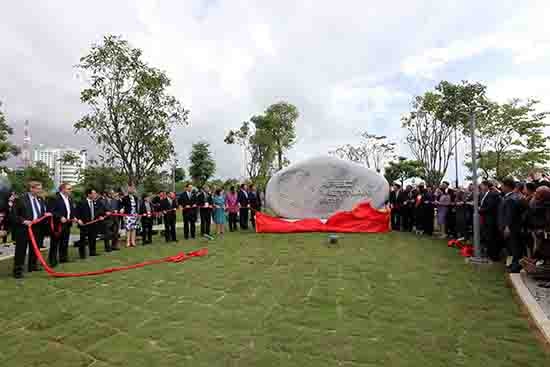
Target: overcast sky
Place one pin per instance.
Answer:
(347, 65)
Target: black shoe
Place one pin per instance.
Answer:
(94, 254)
(35, 268)
(115, 249)
(64, 261)
(108, 249)
(513, 268)
(18, 275)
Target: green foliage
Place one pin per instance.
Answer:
(402, 170)
(102, 178)
(37, 172)
(432, 122)
(131, 115)
(279, 125)
(7, 149)
(155, 182)
(70, 158)
(179, 174)
(512, 139)
(259, 148)
(265, 139)
(202, 166)
(79, 193)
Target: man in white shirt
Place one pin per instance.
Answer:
(63, 212)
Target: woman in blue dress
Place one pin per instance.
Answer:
(219, 211)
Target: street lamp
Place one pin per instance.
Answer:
(478, 257)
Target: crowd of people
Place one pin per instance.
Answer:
(514, 216)
(104, 215)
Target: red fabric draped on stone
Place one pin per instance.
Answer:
(361, 219)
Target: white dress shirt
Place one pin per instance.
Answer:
(67, 205)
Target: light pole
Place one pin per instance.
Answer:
(174, 174)
(478, 257)
(456, 159)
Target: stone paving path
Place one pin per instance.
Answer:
(542, 295)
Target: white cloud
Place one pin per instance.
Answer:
(341, 63)
(526, 35)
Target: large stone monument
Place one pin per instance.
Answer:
(321, 186)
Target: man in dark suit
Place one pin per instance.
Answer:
(395, 205)
(111, 224)
(63, 211)
(90, 209)
(401, 202)
(188, 203)
(510, 215)
(146, 210)
(29, 207)
(244, 203)
(255, 204)
(168, 205)
(205, 203)
(488, 211)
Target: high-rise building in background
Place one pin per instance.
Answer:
(61, 171)
(26, 148)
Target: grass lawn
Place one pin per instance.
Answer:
(270, 300)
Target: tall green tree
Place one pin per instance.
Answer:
(403, 169)
(259, 148)
(179, 174)
(202, 165)
(37, 172)
(131, 114)
(7, 149)
(512, 139)
(279, 125)
(435, 117)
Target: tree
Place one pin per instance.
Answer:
(435, 118)
(70, 158)
(7, 149)
(373, 151)
(37, 172)
(402, 170)
(131, 115)
(102, 178)
(258, 147)
(512, 139)
(156, 182)
(179, 174)
(202, 166)
(279, 125)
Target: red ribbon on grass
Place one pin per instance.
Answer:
(180, 257)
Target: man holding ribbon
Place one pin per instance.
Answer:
(28, 208)
(63, 212)
(89, 213)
